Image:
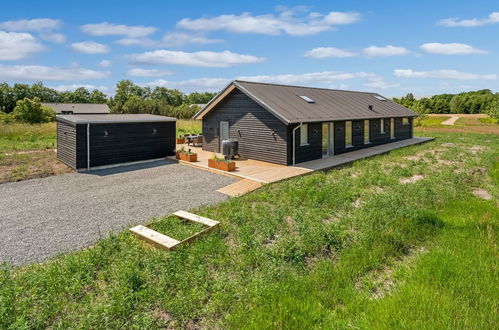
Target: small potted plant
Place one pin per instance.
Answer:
(221, 163)
(180, 139)
(186, 155)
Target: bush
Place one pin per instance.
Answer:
(31, 111)
(6, 118)
(493, 110)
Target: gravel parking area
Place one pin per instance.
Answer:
(41, 218)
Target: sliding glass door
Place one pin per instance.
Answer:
(327, 139)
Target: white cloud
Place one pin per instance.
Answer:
(108, 29)
(180, 39)
(450, 49)
(40, 73)
(16, 46)
(285, 22)
(175, 39)
(89, 47)
(105, 63)
(442, 74)
(325, 52)
(329, 79)
(202, 59)
(198, 84)
(324, 77)
(72, 87)
(37, 24)
(493, 18)
(387, 50)
(57, 38)
(138, 72)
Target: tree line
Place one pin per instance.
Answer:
(129, 98)
(481, 101)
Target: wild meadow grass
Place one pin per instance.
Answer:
(20, 136)
(347, 248)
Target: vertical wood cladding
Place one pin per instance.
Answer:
(114, 143)
(260, 134)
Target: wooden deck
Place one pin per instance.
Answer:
(254, 173)
(255, 170)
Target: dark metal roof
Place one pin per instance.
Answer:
(285, 103)
(114, 118)
(78, 108)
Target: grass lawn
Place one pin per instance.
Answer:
(432, 120)
(348, 248)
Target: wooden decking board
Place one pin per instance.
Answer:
(196, 218)
(154, 237)
(240, 187)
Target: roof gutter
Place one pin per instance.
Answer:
(294, 142)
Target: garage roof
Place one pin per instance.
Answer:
(114, 118)
(295, 104)
(79, 108)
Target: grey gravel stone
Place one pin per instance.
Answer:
(41, 218)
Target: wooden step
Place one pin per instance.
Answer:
(196, 218)
(240, 187)
(154, 237)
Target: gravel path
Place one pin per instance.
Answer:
(40, 218)
(450, 121)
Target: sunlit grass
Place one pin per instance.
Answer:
(301, 253)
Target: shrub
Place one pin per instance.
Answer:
(31, 111)
(6, 118)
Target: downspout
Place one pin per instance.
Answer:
(88, 146)
(294, 142)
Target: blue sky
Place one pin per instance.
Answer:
(391, 47)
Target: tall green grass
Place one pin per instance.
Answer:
(300, 253)
(20, 136)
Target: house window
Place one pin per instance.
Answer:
(405, 121)
(366, 132)
(348, 134)
(392, 128)
(304, 135)
(382, 126)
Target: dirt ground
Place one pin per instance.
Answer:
(29, 164)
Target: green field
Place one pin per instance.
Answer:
(348, 248)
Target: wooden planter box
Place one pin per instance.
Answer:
(193, 157)
(180, 141)
(221, 165)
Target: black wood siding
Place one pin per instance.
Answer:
(124, 142)
(314, 149)
(260, 134)
(66, 144)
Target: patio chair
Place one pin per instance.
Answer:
(198, 141)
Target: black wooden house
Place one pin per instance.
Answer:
(89, 141)
(291, 124)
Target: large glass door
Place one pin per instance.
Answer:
(327, 139)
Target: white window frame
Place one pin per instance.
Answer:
(366, 132)
(405, 121)
(348, 125)
(304, 135)
(383, 126)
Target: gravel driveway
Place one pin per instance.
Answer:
(40, 218)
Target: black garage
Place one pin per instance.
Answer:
(89, 141)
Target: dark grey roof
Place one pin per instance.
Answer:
(78, 108)
(114, 118)
(284, 102)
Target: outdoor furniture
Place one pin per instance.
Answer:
(198, 141)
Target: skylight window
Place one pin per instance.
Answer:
(379, 97)
(307, 99)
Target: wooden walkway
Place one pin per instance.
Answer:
(254, 173)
